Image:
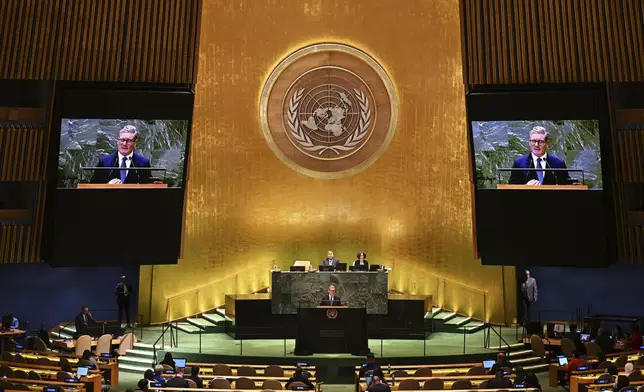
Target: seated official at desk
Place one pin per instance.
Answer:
(576, 338)
(500, 363)
(9, 322)
(330, 259)
(84, 320)
(362, 260)
(331, 299)
(499, 381)
(372, 366)
(299, 376)
(604, 341)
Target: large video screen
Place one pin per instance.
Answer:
(512, 152)
(121, 151)
(541, 170)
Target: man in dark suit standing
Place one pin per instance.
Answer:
(529, 293)
(124, 157)
(83, 321)
(539, 159)
(123, 293)
(331, 299)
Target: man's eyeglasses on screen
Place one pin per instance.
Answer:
(538, 142)
(126, 141)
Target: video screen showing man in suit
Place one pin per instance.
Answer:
(508, 153)
(123, 158)
(332, 299)
(128, 151)
(538, 158)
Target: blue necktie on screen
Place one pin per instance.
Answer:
(539, 172)
(123, 172)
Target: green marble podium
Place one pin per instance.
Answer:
(293, 290)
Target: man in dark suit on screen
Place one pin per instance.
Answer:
(539, 159)
(331, 299)
(124, 157)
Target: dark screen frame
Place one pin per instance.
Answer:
(82, 226)
(544, 102)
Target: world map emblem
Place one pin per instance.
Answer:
(328, 110)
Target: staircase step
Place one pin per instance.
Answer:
(140, 353)
(543, 367)
(517, 346)
(144, 346)
(188, 328)
(61, 335)
(131, 368)
(214, 318)
(526, 361)
(518, 354)
(445, 316)
(201, 323)
(474, 326)
(436, 310)
(458, 321)
(70, 329)
(222, 313)
(136, 360)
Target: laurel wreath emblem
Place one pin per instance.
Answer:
(362, 130)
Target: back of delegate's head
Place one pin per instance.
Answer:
(149, 374)
(143, 384)
(158, 369)
(371, 358)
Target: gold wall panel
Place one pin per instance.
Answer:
(413, 206)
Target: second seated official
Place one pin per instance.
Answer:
(361, 260)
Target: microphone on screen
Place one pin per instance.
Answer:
(138, 176)
(553, 172)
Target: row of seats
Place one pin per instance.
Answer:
(439, 384)
(429, 372)
(40, 360)
(241, 370)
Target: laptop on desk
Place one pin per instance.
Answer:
(342, 267)
(359, 268)
(326, 268)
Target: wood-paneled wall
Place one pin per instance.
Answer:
(23, 153)
(145, 41)
(99, 40)
(553, 41)
(566, 41)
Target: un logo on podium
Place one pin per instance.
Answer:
(332, 313)
(328, 110)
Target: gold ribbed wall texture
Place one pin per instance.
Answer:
(23, 154)
(412, 207)
(106, 40)
(553, 41)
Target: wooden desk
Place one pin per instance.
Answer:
(78, 387)
(447, 380)
(438, 366)
(122, 186)
(8, 334)
(556, 342)
(543, 187)
(50, 372)
(111, 364)
(210, 365)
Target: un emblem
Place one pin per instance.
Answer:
(328, 110)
